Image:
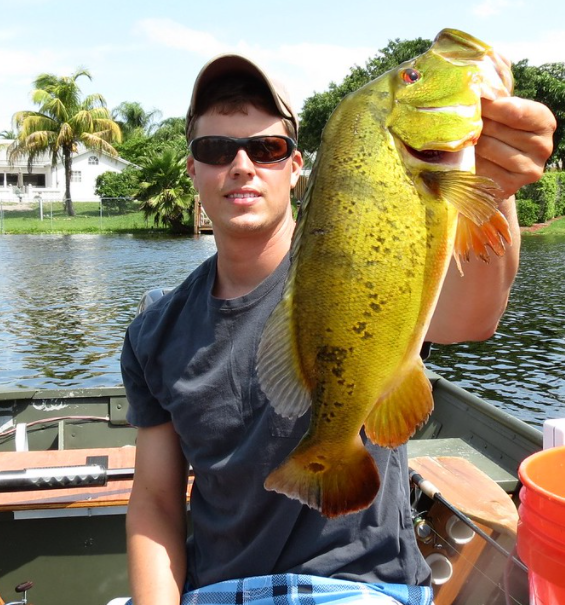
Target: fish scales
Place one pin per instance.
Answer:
(368, 259)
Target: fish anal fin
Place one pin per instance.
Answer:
(278, 364)
(493, 234)
(333, 483)
(396, 416)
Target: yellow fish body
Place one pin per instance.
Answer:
(393, 180)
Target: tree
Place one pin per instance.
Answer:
(8, 134)
(167, 134)
(318, 108)
(545, 84)
(165, 190)
(62, 121)
(134, 120)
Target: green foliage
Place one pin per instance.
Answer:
(169, 134)
(545, 84)
(543, 194)
(318, 108)
(527, 212)
(134, 120)
(135, 148)
(560, 198)
(117, 188)
(165, 190)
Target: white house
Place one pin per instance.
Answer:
(16, 182)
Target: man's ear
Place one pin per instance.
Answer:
(297, 164)
(190, 167)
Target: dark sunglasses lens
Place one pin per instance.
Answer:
(219, 151)
(214, 150)
(264, 150)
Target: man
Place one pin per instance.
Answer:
(189, 370)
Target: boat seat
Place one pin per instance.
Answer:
(458, 447)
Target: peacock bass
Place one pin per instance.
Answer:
(392, 197)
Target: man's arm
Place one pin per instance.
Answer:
(156, 518)
(515, 144)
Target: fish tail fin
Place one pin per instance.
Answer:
(333, 484)
(395, 418)
(471, 237)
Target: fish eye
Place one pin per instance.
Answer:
(410, 75)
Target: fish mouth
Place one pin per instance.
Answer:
(435, 156)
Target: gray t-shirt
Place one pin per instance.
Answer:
(190, 359)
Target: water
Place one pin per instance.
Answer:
(522, 368)
(65, 302)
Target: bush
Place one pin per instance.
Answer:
(560, 198)
(528, 212)
(117, 184)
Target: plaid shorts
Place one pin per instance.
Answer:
(297, 589)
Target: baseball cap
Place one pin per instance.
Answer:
(232, 63)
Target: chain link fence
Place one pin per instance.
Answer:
(46, 213)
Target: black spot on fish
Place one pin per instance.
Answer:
(376, 307)
(314, 467)
(359, 327)
(334, 356)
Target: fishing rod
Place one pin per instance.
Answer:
(61, 477)
(428, 488)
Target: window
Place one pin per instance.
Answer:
(93, 160)
(76, 176)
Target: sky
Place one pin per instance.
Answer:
(151, 51)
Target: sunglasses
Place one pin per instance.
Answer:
(219, 151)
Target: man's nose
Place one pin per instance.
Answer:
(242, 163)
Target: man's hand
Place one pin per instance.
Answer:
(516, 141)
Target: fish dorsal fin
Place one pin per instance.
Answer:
(278, 364)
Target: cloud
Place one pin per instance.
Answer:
(549, 48)
(303, 67)
(167, 32)
(489, 8)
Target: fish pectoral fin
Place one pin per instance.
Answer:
(278, 365)
(333, 483)
(474, 238)
(395, 417)
(476, 197)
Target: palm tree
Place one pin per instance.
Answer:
(165, 190)
(133, 119)
(62, 121)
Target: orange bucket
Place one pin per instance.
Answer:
(541, 528)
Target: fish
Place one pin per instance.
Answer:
(392, 197)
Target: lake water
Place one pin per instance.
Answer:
(65, 302)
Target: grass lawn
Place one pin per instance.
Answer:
(557, 226)
(18, 220)
(554, 227)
